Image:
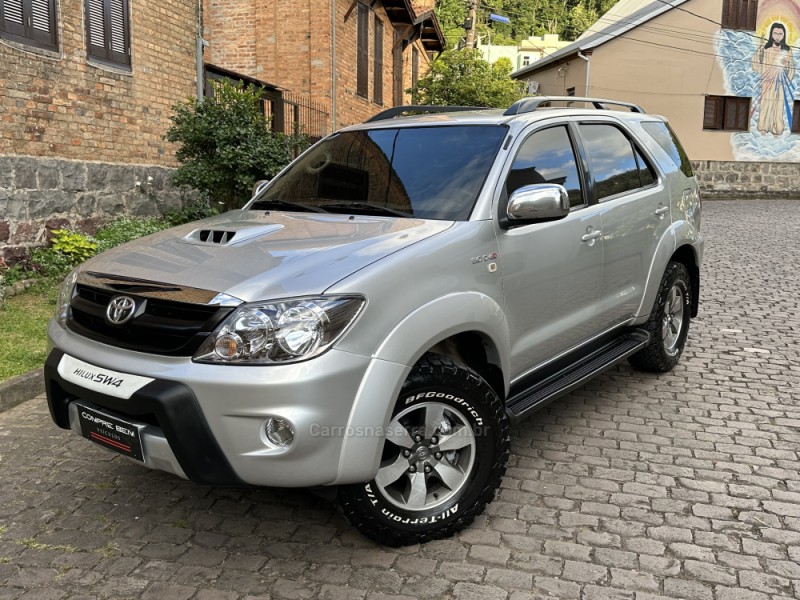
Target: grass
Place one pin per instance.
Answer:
(23, 329)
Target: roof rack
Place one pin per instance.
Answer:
(531, 104)
(390, 113)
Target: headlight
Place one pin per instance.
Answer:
(64, 297)
(280, 331)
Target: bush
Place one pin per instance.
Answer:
(125, 229)
(75, 246)
(187, 214)
(226, 145)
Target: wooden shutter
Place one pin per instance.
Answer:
(741, 20)
(108, 30)
(13, 19)
(712, 114)
(752, 14)
(739, 14)
(377, 76)
(741, 109)
(362, 57)
(726, 13)
(30, 21)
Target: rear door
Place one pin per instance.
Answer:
(635, 208)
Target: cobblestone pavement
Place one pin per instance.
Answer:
(636, 487)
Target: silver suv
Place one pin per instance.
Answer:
(375, 317)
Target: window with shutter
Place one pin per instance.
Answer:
(796, 117)
(30, 22)
(108, 31)
(377, 76)
(362, 58)
(727, 113)
(739, 14)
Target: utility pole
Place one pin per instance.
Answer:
(470, 24)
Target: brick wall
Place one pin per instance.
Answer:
(293, 50)
(67, 119)
(62, 104)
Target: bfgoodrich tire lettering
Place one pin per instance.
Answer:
(445, 452)
(668, 324)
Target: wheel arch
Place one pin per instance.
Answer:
(469, 327)
(686, 255)
(680, 243)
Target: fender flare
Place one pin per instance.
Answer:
(680, 233)
(392, 362)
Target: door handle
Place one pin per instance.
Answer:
(590, 237)
(661, 210)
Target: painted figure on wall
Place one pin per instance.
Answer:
(775, 64)
(764, 65)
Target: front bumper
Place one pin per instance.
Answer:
(206, 422)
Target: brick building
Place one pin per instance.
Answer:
(356, 58)
(86, 91)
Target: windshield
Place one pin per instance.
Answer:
(421, 172)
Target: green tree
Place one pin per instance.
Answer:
(451, 15)
(567, 18)
(226, 145)
(462, 77)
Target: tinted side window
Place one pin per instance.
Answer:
(547, 156)
(646, 173)
(611, 159)
(665, 137)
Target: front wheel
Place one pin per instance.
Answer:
(668, 324)
(445, 451)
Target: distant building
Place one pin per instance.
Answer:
(726, 74)
(526, 52)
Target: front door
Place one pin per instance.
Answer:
(552, 272)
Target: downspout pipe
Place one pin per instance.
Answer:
(201, 43)
(333, 66)
(588, 68)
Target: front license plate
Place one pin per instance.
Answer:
(111, 432)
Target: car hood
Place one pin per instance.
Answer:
(253, 255)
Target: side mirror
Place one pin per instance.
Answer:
(536, 203)
(260, 185)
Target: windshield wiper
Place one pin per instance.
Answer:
(272, 204)
(366, 207)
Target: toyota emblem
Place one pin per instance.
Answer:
(120, 310)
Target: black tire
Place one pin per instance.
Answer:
(387, 510)
(667, 331)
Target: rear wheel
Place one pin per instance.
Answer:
(445, 451)
(668, 324)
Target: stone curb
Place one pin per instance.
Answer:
(21, 389)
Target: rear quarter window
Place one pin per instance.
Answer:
(666, 138)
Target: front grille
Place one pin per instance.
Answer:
(164, 327)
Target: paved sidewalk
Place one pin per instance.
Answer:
(636, 487)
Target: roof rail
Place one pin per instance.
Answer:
(390, 113)
(531, 104)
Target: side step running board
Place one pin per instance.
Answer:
(574, 375)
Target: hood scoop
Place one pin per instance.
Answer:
(228, 237)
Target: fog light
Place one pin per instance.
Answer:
(279, 431)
